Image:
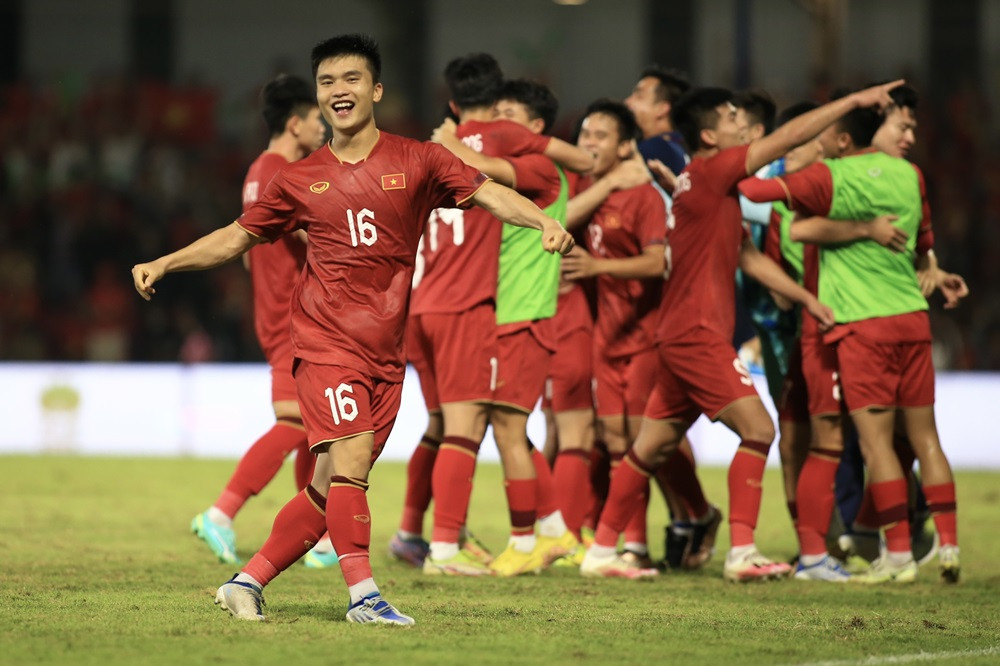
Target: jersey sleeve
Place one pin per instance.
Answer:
(651, 217)
(810, 191)
(535, 175)
(925, 234)
(273, 215)
(772, 240)
(453, 182)
(518, 140)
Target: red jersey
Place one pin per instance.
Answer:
(459, 251)
(622, 227)
(364, 221)
(274, 267)
(704, 247)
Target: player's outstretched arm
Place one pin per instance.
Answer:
(803, 128)
(209, 251)
(824, 231)
(570, 156)
(625, 175)
(579, 264)
(760, 267)
(496, 168)
(509, 206)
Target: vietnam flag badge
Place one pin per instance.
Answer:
(394, 181)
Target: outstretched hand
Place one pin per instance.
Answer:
(878, 95)
(144, 276)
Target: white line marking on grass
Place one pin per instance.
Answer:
(908, 658)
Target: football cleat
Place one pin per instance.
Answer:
(513, 562)
(751, 565)
(554, 548)
(462, 564)
(242, 600)
(321, 560)
(474, 547)
(641, 560)
(703, 532)
(378, 610)
(574, 558)
(951, 570)
(867, 545)
(222, 540)
(882, 570)
(828, 569)
(677, 544)
(923, 541)
(613, 566)
(413, 551)
(587, 536)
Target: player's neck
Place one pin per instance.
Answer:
(704, 153)
(287, 146)
(354, 148)
(480, 114)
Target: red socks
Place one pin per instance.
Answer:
(624, 497)
(941, 504)
(259, 464)
(571, 479)
(297, 527)
(419, 472)
(814, 493)
(745, 475)
(349, 523)
(545, 492)
(522, 502)
(890, 498)
(452, 485)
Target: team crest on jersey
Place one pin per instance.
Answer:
(320, 187)
(874, 172)
(394, 181)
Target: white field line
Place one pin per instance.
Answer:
(908, 658)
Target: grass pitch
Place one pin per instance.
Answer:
(97, 567)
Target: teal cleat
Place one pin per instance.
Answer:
(222, 540)
(378, 610)
(318, 560)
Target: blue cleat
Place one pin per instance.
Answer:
(318, 560)
(378, 610)
(242, 600)
(222, 540)
(413, 551)
(828, 569)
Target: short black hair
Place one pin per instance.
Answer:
(759, 106)
(474, 80)
(628, 128)
(671, 84)
(284, 97)
(355, 44)
(794, 111)
(904, 97)
(861, 124)
(695, 111)
(536, 97)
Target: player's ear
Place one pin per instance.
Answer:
(624, 150)
(377, 93)
(293, 125)
(536, 125)
(707, 137)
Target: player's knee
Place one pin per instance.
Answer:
(759, 430)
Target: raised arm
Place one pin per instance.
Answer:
(580, 264)
(760, 267)
(824, 231)
(570, 156)
(803, 128)
(496, 168)
(510, 207)
(209, 251)
(625, 175)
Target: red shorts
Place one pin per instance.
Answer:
(622, 385)
(571, 373)
(698, 375)
(417, 356)
(339, 402)
(821, 372)
(282, 380)
(523, 363)
(793, 405)
(885, 374)
(460, 350)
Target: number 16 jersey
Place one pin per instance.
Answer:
(364, 222)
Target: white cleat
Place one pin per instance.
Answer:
(614, 566)
(751, 565)
(242, 600)
(828, 569)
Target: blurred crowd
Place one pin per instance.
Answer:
(95, 178)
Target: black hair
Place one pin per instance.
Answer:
(537, 98)
(695, 110)
(904, 97)
(628, 128)
(759, 106)
(363, 46)
(861, 124)
(284, 97)
(794, 111)
(474, 80)
(671, 84)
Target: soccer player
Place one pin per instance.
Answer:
(882, 339)
(455, 319)
(699, 371)
(364, 201)
(651, 100)
(296, 129)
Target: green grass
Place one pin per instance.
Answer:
(97, 567)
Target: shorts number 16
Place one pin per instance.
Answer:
(343, 407)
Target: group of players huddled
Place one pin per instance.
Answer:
(682, 202)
